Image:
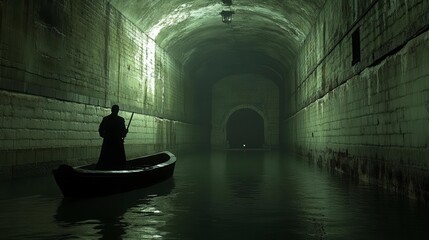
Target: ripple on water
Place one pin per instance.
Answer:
(216, 196)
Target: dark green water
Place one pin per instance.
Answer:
(218, 195)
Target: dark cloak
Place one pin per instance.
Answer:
(112, 130)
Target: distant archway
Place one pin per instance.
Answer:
(245, 128)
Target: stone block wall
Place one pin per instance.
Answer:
(245, 91)
(63, 63)
(368, 119)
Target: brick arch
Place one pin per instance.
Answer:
(240, 107)
(255, 92)
(243, 106)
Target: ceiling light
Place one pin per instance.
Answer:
(227, 16)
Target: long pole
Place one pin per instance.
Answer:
(132, 114)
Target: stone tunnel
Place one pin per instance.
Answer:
(344, 84)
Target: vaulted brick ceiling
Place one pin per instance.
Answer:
(263, 35)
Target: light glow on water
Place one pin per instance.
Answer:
(218, 195)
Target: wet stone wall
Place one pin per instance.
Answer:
(367, 117)
(62, 65)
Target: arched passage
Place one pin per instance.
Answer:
(244, 91)
(245, 127)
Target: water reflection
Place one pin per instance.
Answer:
(245, 173)
(107, 215)
(267, 195)
(218, 195)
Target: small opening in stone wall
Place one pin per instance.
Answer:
(356, 46)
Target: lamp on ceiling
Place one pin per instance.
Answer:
(227, 13)
(227, 16)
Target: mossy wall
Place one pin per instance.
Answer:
(367, 118)
(63, 64)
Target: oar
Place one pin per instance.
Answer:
(132, 114)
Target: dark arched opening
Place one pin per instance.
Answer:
(245, 129)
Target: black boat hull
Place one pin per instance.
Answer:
(84, 181)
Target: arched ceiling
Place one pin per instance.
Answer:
(263, 33)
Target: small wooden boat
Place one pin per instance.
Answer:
(86, 181)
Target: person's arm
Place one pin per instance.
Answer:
(124, 130)
(102, 129)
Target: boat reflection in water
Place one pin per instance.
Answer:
(115, 216)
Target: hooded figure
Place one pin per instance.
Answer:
(112, 130)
